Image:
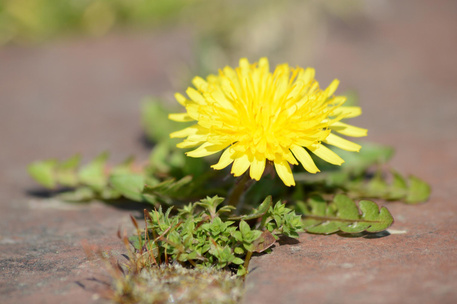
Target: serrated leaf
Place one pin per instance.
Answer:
(43, 172)
(370, 154)
(169, 187)
(347, 217)
(377, 186)
(66, 171)
(418, 191)
(411, 192)
(317, 206)
(129, 185)
(379, 219)
(93, 174)
(125, 167)
(257, 213)
(398, 188)
(78, 195)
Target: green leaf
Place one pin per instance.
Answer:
(43, 172)
(125, 167)
(344, 215)
(256, 213)
(418, 191)
(78, 195)
(411, 192)
(159, 157)
(377, 186)
(399, 187)
(369, 155)
(379, 219)
(66, 171)
(169, 187)
(154, 117)
(129, 185)
(239, 250)
(244, 228)
(93, 174)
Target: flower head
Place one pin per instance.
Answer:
(257, 116)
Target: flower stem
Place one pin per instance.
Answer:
(236, 195)
(247, 260)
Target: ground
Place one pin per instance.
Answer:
(82, 95)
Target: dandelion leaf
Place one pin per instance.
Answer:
(167, 190)
(256, 213)
(93, 174)
(66, 171)
(418, 191)
(43, 172)
(129, 185)
(78, 195)
(343, 215)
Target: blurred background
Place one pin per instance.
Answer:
(73, 72)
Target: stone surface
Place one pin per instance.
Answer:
(83, 96)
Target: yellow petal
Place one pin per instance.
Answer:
(205, 150)
(195, 96)
(186, 132)
(348, 112)
(332, 87)
(188, 144)
(309, 75)
(244, 65)
(181, 117)
(225, 159)
(348, 130)
(289, 157)
(240, 165)
(342, 143)
(257, 167)
(200, 83)
(264, 65)
(305, 159)
(327, 155)
(181, 99)
(284, 172)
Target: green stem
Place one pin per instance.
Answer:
(247, 260)
(240, 188)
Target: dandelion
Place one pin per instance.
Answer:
(257, 117)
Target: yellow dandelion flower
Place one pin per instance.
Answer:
(257, 116)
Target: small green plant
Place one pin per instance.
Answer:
(204, 234)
